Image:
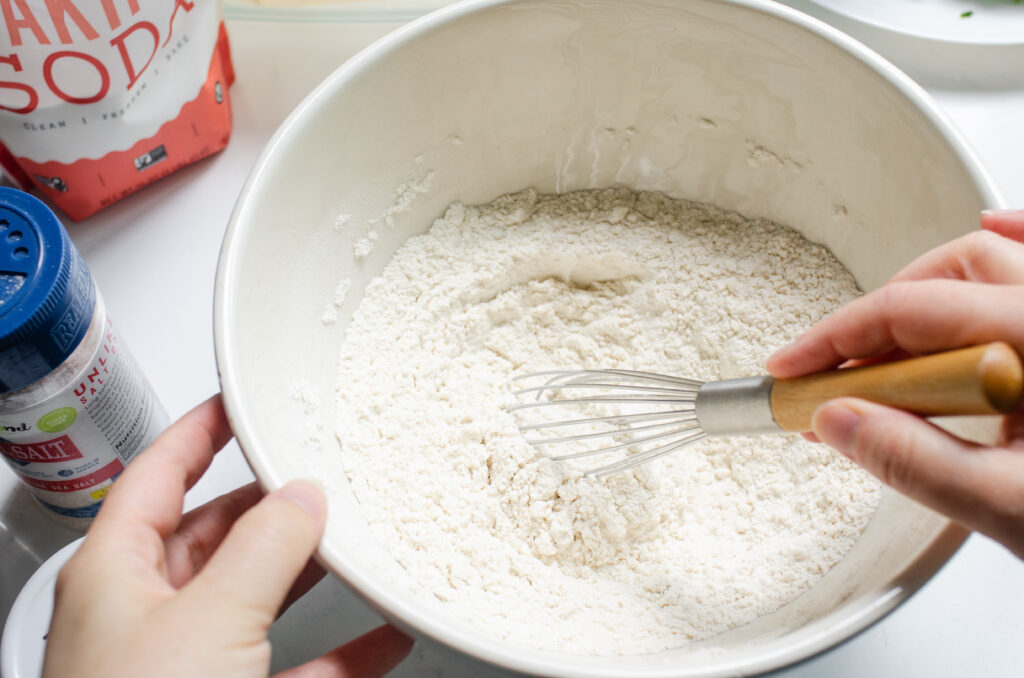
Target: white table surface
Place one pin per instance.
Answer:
(154, 257)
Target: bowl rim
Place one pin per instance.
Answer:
(503, 654)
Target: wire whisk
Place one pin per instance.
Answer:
(644, 415)
(663, 417)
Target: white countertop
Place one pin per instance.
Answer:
(154, 256)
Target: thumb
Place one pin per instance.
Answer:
(910, 455)
(253, 569)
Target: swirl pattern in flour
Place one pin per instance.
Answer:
(529, 549)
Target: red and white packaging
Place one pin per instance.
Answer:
(99, 98)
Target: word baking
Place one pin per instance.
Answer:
(63, 69)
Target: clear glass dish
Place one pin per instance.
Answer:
(330, 11)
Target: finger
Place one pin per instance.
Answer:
(150, 493)
(202, 530)
(918, 317)
(263, 553)
(902, 450)
(981, 256)
(368, 656)
(979, 487)
(1007, 223)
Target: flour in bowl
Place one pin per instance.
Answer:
(528, 549)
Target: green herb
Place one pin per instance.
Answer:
(965, 15)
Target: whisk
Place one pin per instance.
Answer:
(659, 414)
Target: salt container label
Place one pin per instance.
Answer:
(70, 448)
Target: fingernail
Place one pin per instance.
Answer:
(776, 364)
(835, 423)
(306, 495)
(778, 353)
(1001, 212)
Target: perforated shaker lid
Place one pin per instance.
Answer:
(46, 291)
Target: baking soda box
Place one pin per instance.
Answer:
(99, 98)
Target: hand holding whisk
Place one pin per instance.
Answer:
(659, 414)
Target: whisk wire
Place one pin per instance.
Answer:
(603, 399)
(639, 416)
(644, 457)
(554, 387)
(645, 376)
(609, 432)
(628, 443)
(667, 429)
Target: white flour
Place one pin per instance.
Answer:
(686, 547)
(330, 314)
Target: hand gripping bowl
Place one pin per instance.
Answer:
(742, 103)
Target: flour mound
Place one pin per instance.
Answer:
(531, 550)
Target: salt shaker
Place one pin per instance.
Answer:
(74, 406)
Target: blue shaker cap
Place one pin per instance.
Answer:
(46, 291)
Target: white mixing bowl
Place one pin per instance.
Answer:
(742, 103)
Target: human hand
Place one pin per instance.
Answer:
(969, 291)
(153, 593)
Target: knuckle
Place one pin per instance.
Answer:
(896, 294)
(194, 548)
(1005, 500)
(977, 251)
(892, 301)
(970, 243)
(74, 574)
(280, 521)
(1000, 515)
(891, 456)
(895, 300)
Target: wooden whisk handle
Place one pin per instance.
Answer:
(985, 379)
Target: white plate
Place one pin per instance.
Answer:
(24, 638)
(992, 22)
